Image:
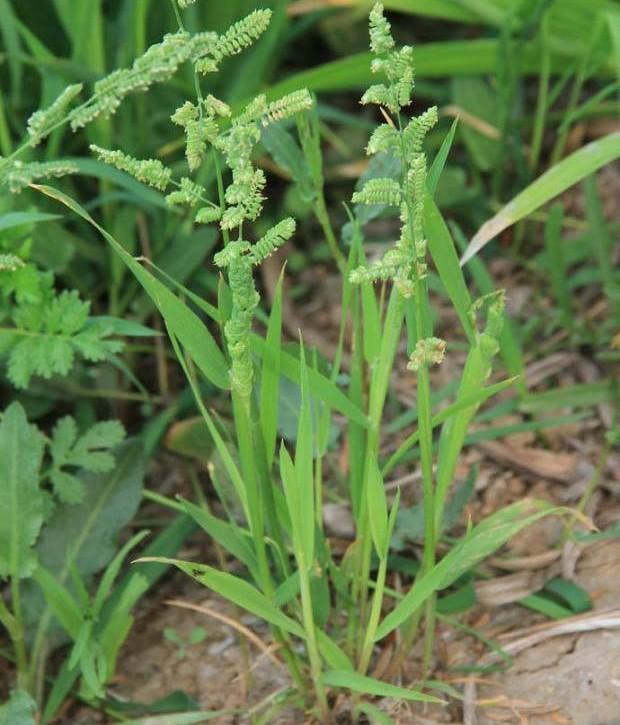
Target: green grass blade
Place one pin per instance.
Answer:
(434, 172)
(12, 45)
(270, 376)
(320, 386)
(112, 570)
(443, 252)
(556, 264)
(373, 713)
(331, 652)
(440, 9)
(17, 218)
(304, 453)
(603, 245)
(560, 177)
(377, 510)
(235, 590)
(474, 399)
(613, 24)
(370, 686)
(64, 607)
(182, 718)
(582, 395)
(235, 540)
(481, 541)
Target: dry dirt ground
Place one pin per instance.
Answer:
(555, 679)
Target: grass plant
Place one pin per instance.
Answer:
(328, 611)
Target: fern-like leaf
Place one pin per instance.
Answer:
(88, 452)
(48, 335)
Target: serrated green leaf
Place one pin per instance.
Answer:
(67, 487)
(63, 438)
(179, 318)
(21, 499)
(85, 534)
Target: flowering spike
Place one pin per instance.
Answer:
(381, 40)
(273, 239)
(188, 193)
(379, 191)
(17, 175)
(208, 214)
(159, 63)
(239, 36)
(148, 171)
(41, 122)
(288, 106)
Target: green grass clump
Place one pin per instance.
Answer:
(327, 612)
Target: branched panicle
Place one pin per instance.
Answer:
(382, 269)
(405, 263)
(185, 114)
(199, 129)
(394, 265)
(214, 107)
(244, 196)
(396, 65)
(42, 122)
(416, 181)
(17, 175)
(159, 63)
(385, 138)
(148, 171)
